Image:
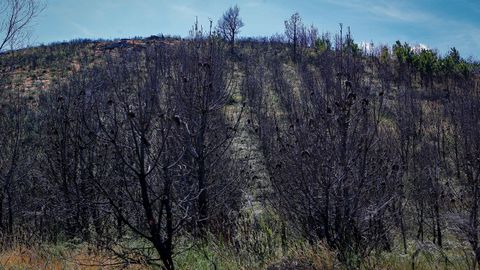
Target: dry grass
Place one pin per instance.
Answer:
(60, 258)
(298, 255)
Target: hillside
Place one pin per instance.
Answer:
(183, 153)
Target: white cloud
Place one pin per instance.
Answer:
(384, 10)
(83, 30)
(397, 13)
(253, 3)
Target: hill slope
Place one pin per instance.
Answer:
(171, 152)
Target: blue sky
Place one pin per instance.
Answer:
(439, 24)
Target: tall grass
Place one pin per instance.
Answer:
(260, 242)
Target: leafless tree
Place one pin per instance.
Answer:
(464, 108)
(328, 153)
(293, 29)
(13, 123)
(138, 141)
(203, 88)
(229, 25)
(16, 15)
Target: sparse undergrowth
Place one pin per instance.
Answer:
(262, 251)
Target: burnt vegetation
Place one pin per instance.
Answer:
(132, 146)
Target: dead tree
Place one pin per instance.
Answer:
(203, 87)
(328, 155)
(293, 29)
(16, 16)
(229, 26)
(464, 108)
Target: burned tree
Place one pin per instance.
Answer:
(328, 155)
(16, 16)
(229, 26)
(293, 29)
(203, 87)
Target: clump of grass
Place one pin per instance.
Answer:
(259, 243)
(307, 256)
(60, 256)
(211, 254)
(422, 256)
